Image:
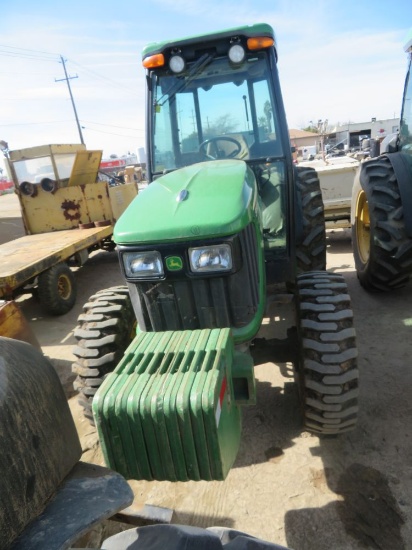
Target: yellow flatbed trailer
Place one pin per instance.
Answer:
(67, 212)
(25, 258)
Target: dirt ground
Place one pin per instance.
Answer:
(287, 486)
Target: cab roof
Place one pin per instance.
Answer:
(247, 31)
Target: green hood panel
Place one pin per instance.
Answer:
(220, 200)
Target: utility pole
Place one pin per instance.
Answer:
(67, 79)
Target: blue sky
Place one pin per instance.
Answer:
(340, 60)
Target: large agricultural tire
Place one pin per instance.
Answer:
(381, 248)
(326, 372)
(57, 289)
(311, 250)
(105, 329)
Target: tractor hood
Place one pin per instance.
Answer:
(204, 200)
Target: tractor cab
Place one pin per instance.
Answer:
(218, 99)
(401, 141)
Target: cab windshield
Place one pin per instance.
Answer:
(35, 169)
(213, 110)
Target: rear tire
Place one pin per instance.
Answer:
(327, 372)
(105, 329)
(382, 251)
(57, 289)
(311, 251)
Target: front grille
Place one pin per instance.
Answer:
(209, 302)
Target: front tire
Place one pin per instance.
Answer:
(311, 250)
(326, 372)
(105, 329)
(57, 289)
(381, 248)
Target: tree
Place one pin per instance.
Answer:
(311, 128)
(221, 126)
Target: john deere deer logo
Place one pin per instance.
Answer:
(174, 263)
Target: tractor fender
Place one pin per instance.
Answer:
(402, 166)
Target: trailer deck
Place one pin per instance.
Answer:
(23, 259)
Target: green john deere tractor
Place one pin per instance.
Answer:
(382, 206)
(226, 221)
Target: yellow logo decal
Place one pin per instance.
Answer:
(174, 263)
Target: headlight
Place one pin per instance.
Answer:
(210, 258)
(143, 265)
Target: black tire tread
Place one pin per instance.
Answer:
(390, 260)
(104, 330)
(48, 294)
(327, 374)
(311, 251)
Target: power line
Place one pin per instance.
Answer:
(112, 125)
(26, 56)
(32, 99)
(102, 77)
(110, 133)
(83, 127)
(51, 55)
(27, 53)
(43, 122)
(25, 73)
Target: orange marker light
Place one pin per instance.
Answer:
(259, 42)
(154, 61)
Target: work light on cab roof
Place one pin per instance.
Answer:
(236, 53)
(177, 63)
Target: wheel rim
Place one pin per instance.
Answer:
(363, 227)
(64, 287)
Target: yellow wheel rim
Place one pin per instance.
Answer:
(64, 287)
(362, 222)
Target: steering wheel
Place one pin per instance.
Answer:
(219, 153)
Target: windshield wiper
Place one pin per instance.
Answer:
(196, 68)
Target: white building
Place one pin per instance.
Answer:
(350, 134)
